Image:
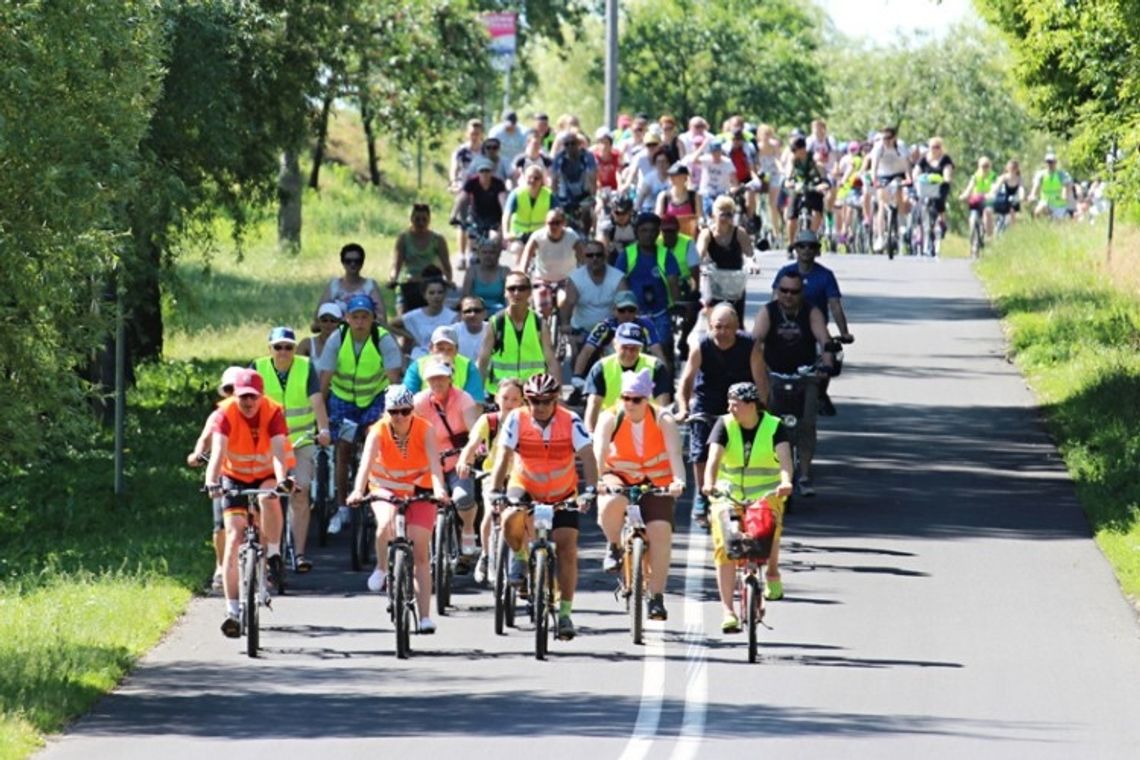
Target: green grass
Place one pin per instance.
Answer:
(1073, 323)
(89, 583)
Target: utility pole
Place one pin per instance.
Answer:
(611, 63)
(120, 383)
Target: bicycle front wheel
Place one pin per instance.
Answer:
(250, 584)
(322, 499)
(753, 612)
(402, 604)
(439, 566)
(541, 603)
(636, 558)
(501, 556)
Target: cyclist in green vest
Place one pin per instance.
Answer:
(603, 383)
(359, 361)
(517, 345)
(445, 348)
(292, 382)
(1054, 188)
(683, 249)
(749, 456)
(526, 209)
(979, 186)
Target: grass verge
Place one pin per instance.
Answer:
(1073, 322)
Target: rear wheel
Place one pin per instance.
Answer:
(500, 555)
(540, 603)
(356, 520)
(440, 564)
(976, 240)
(322, 499)
(892, 232)
(636, 559)
(753, 612)
(250, 589)
(402, 604)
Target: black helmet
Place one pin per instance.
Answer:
(624, 204)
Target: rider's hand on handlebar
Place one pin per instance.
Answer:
(214, 490)
(708, 489)
(462, 469)
(677, 487)
(354, 498)
(784, 489)
(287, 486)
(441, 495)
(846, 338)
(587, 498)
(194, 459)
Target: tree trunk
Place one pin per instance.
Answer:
(367, 116)
(142, 301)
(322, 138)
(289, 203)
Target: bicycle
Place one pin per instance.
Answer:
(858, 236)
(362, 533)
(322, 494)
(750, 553)
(402, 608)
(633, 585)
(445, 548)
(977, 227)
(892, 231)
(929, 187)
(506, 595)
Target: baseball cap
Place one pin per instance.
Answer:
(625, 298)
(652, 139)
(716, 144)
(678, 168)
(647, 217)
(282, 335)
(248, 382)
(228, 377)
(602, 134)
(445, 334)
(481, 164)
(437, 369)
(360, 302)
(629, 334)
(1050, 157)
(637, 383)
(330, 309)
(511, 116)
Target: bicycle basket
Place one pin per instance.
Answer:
(928, 189)
(745, 547)
(724, 284)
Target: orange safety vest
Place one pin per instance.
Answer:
(392, 468)
(622, 458)
(249, 456)
(545, 470)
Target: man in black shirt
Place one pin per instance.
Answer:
(486, 195)
(791, 334)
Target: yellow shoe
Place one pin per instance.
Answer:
(773, 589)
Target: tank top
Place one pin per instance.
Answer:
(720, 369)
(688, 208)
(491, 292)
(415, 259)
(789, 343)
(595, 301)
(726, 257)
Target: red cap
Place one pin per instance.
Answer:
(248, 381)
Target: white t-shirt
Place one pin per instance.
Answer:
(509, 437)
(652, 185)
(554, 260)
(421, 325)
(595, 302)
(888, 162)
(716, 176)
(469, 342)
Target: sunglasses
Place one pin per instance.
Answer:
(400, 412)
(352, 262)
(633, 399)
(328, 319)
(284, 347)
(626, 309)
(595, 255)
(791, 291)
(473, 311)
(541, 401)
(518, 288)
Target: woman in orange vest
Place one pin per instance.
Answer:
(402, 459)
(248, 451)
(639, 444)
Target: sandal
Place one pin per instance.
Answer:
(303, 564)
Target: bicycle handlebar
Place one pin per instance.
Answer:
(641, 491)
(401, 501)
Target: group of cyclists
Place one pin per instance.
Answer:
(595, 343)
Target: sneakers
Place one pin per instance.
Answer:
(804, 487)
(730, 624)
(276, 570)
(565, 628)
(700, 513)
(467, 547)
(655, 610)
(481, 569)
(826, 408)
(231, 627)
(216, 583)
(339, 520)
(427, 625)
(611, 563)
(303, 564)
(516, 571)
(877, 245)
(376, 581)
(773, 589)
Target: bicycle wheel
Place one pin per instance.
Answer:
(250, 586)
(403, 604)
(439, 546)
(892, 232)
(500, 556)
(636, 558)
(540, 602)
(356, 521)
(976, 240)
(753, 601)
(322, 498)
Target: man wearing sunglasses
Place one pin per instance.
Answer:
(791, 334)
(292, 382)
(602, 335)
(590, 292)
(526, 209)
(516, 345)
(603, 384)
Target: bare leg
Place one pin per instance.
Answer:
(421, 554)
(725, 581)
(660, 535)
(566, 541)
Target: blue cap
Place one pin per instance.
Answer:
(716, 144)
(360, 303)
(283, 335)
(629, 334)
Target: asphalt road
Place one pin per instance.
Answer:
(944, 600)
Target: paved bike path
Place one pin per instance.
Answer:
(944, 599)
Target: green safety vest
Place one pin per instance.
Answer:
(461, 364)
(749, 480)
(360, 379)
(1053, 190)
(294, 397)
(983, 182)
(631, 258)
(680, 254)
(530, 214)
(612, 372)
(514, 359)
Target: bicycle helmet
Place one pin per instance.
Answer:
(744, 392)
(623, 205)
(398, 397)
(854, 146)
(541, 385)
(807, 237)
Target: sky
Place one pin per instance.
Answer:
(878, 19)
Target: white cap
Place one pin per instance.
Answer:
(437, 369)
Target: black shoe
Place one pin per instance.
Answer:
(276, 571)
(231, 628)
(656, 608)
(565, 628)
(826, 408)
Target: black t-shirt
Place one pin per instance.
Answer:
(720, 369)
(485, 201)
(719, 435)
(925, 167)
(789, 343)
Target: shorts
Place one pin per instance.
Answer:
(420, 514)
(239, 505)
(718, 508)
(302, 472)
(462, 490)
(341, 411)
(699, 430)
(887, 179)
(653, 508)
(565, 518)
(811, 200)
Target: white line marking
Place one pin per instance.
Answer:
(697, 685)
(652, 693)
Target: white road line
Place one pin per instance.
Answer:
(652, 693)
(697, 685)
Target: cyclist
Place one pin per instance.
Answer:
(670, 139)
(573, 177)
(617, 232)
(484, 196)
(537, 448)
(533, 155)
(198, 456)
(417, 248)
(723, 247)
(553, 251)
(1008, 191)
(768, 151)
(487, 278)
(601, 336)
(683, 250)
(483, 442)
(716, 173)
(510, 135)
(850, 190)
(359, 361)
(742, 155)
(825, 152)
(460, 171)
(341, 290)
(401, 459)
(607, 159)
(516, 345)
(1054, 188)
(639, 444)
(806, 184)
(791, 334)
(679, 202)
(978, 188)
(526, 210)
(472, 328)
(888, 161)
(603, 384)
(416, 326)
(292, 382)
(723, 357)
(749, 455)
(501, 165)
(329, 316)
(590, 292)
(248, 450)
(451, 413)
(653, 277)
(653, 182)
(445, 348)
(937, 162)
